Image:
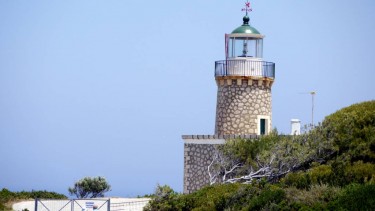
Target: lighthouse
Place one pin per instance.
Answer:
(243, 109)
(244, 83)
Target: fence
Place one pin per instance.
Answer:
(243, 67)
(89, 205)
(129, 206)
(72, 205)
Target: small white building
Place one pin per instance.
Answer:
(295, 127)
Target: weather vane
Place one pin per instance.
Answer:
(247, 8)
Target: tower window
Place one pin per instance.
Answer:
(244, 47)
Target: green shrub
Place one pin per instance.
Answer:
(355, 197)
(164, 199)
(300, 180)
(340, 174)
(233, 197)
(323, 162)
(352, 129)
(270, 196)
(245, 151)
(242, 197)
(214, 197)
(317, 196)
(320, 174)
(6, 195)
(360, 172)
(90, 187)
(3, 207)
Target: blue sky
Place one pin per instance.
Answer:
(94, 87)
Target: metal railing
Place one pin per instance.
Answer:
(244, 67)
(72, 204)
(85, 204)
(129, 206)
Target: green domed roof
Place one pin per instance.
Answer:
(245, 28)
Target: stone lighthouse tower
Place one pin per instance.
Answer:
(244, 83)
(243, 109)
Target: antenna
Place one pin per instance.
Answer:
(247, 7)
(312, 105)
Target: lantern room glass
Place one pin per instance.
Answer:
(245, 47)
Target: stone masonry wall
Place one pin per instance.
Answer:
(197, 158)
(239, 102)
(198, 154)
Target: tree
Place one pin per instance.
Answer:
(164, 199)
(346, 138)
(90, 187)
(352, 130)
(271, 157)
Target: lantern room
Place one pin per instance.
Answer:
(244, 54)
(244, 42)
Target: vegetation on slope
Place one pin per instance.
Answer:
(332, 167)
(6, 196)
(267, 197)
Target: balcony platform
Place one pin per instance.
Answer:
(244, 68)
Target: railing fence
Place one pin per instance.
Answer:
(129, 206)
(88, 205)
(243, 67)
(72, 205)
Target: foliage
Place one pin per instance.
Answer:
(352, 130)
(355, 197)
(298, 180)
(344, 144)
(163, 199)
(220, 197)
(209, 198)
(267, 197)
(330, 167)
(360, 172)
(3, 207)
(246, 151)
(271, 157)
(317, 194)
(7, 196)
(90, 187)
(214, 197)
(320, 174)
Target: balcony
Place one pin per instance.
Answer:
(245, 67)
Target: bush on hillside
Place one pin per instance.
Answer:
(316, 196)
(7, 196)
(320, 174)
(267, 197)
(3, 207)
(352, 130)
(164, 198)
(332, 167)
(300, 180)
(355, 197)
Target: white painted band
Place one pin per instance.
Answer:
(204, 141)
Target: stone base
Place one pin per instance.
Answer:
(198, 153)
